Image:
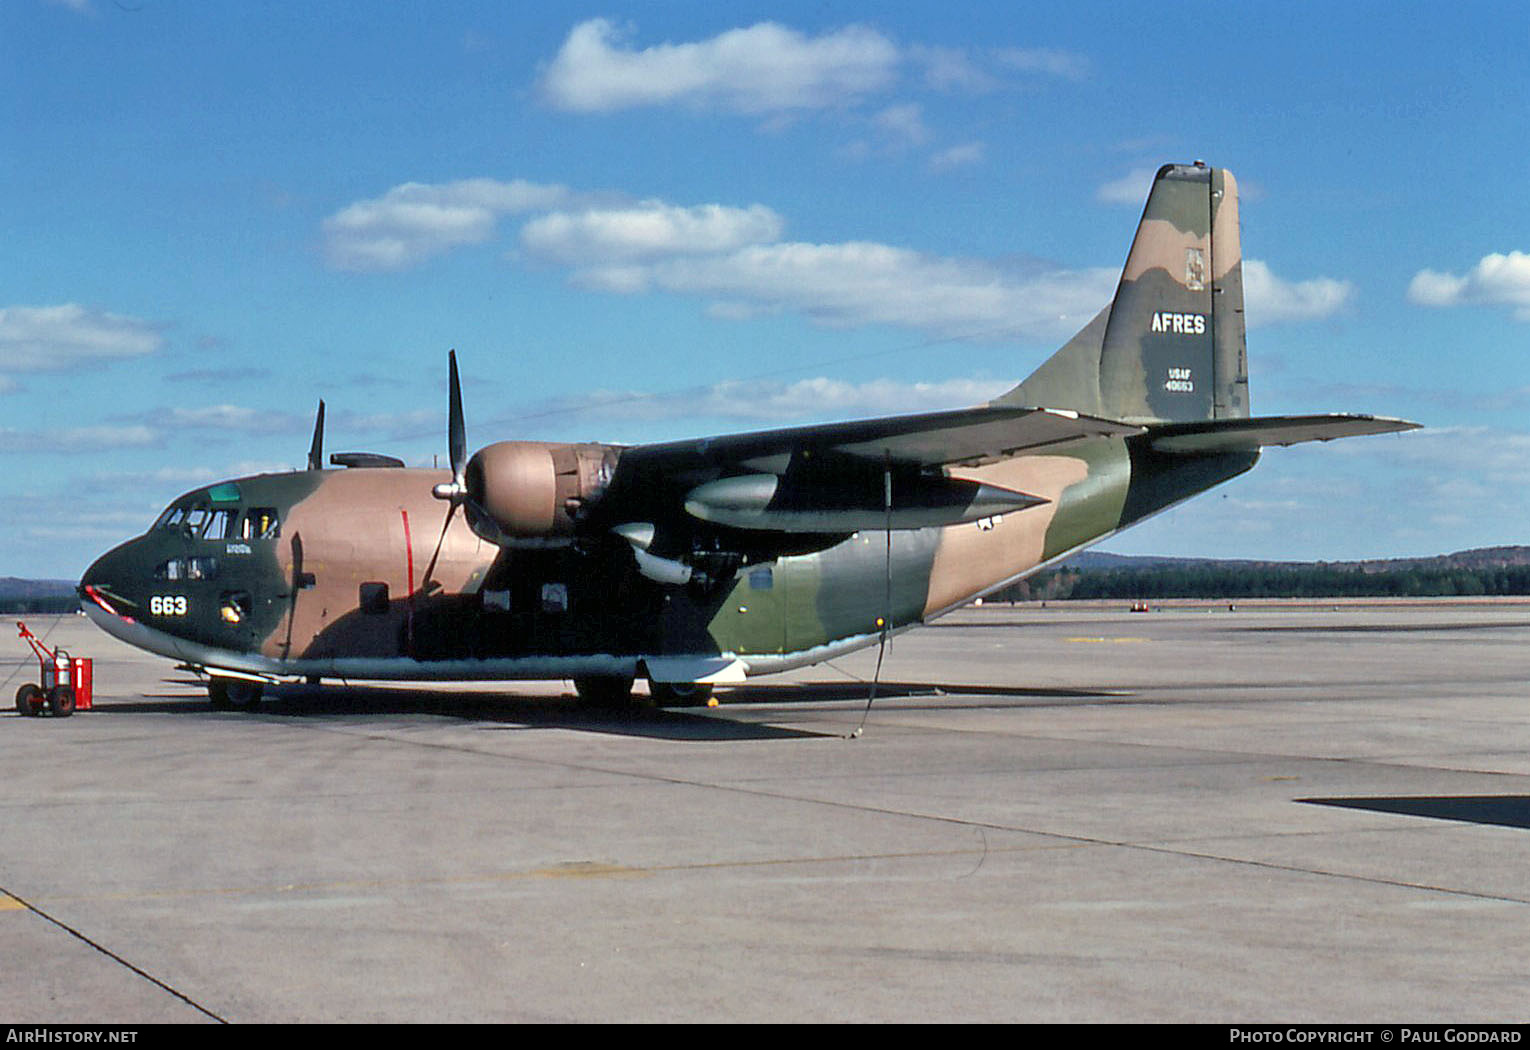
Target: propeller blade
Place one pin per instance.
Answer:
(316, 450)
(456, 441)
(456, 429)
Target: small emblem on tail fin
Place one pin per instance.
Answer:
(1195, 270)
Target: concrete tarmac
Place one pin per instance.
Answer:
(1283, 813)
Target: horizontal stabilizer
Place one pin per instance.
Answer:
(1246, 435)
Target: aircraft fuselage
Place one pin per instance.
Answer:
(359, 574)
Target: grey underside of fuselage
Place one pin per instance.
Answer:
(524, 668)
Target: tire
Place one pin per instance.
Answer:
(604, 690)
(233, 694)
(61, 701)
(29, 700)
(680, 694)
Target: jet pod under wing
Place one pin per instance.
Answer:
(838, 478)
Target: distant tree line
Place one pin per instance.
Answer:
(37, 606)
(1213, 580)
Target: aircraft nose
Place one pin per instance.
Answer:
(96, 586)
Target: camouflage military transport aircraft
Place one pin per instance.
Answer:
(699, 562)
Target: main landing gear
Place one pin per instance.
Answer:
(680, 694)
(234, 694)
(615, 691)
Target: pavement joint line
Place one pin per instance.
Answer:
(118, 959)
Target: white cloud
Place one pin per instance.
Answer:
(825, 397)
(765, 401)
(229, 417)
(864, 282)
(57, 338)
(1273, 300)
(1496, 280)
(1130, 189)
(952, 69)
(766, 68)
(963, 156)
(903, 124)
(78, 439)
(647, 230)
(417, 221)
(1048, 61)
(733, 257)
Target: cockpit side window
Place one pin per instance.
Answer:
(262, 523)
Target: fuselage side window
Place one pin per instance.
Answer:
(201, 568)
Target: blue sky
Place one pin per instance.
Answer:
(639, 222)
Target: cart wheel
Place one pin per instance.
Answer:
(61, 701)
(28, 700)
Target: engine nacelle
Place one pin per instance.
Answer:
(538, 489)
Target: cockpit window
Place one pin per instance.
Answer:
(261, 523)
(195, 519)
(171, 517)
(219, 522)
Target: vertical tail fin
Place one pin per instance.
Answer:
(1170, 347)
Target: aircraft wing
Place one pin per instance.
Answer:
(968, 437)
(829, 479)
(1246, 435)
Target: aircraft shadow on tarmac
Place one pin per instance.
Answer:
(1510, 811)
(510, 711)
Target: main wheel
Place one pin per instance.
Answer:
(29, 700)
(61, 701)
(680, 694)
(233, 694)
(604, 690)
